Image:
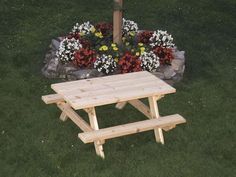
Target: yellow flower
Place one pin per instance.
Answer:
(109, 56)
(127, 43)
(116, 59)
(93, 30)
(132, 33)
(113, 45)
(140, 44)
(132, 50)
(137, 54)
(103, 48)
(99, 34)
(142, 49)
(115, 48)
(81, 33)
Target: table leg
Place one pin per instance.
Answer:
(94, 125)
(155, 115)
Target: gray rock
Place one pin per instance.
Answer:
(55, 44)
(50, 69)
(62, 76)
(95, 73)
(84, 74)
(53, 64)
(177, 65)
(50, 55)
(179, 55)
(71, 77)
(170, 82)
(160, 75)
(67, 68)
(177, 77)
(60, 38)
(161, 69)
(169, 72)
(47, 58)
(49, 74)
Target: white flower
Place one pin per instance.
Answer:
(105, 64)
(161, 38)
(149, 61)
(67, 49)
(129, 27)
(83, 29)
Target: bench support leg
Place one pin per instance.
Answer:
(121, 105)
(94, 125)
(70, 113)
(155, 115)
(63, 117)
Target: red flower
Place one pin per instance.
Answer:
(74, 35)
(84, 58)
(144, 36)
(129, 63)
(165, 55)
(104, 28)
(85, 43)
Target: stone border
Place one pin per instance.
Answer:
(53, 68)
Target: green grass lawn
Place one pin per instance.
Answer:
(34, 143)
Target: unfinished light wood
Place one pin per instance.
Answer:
(121, 89)
(155, 115)
(140, 106)
(119, 78)
(104, 86)
(63, 117)
(108, 90)
(158, 97)
(52, 98)
(121, 105)
(83, 125)
(94, 124)
(131, 128)
(168, 128)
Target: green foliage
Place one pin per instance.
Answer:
(33, 142)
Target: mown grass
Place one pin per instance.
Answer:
(33, 142)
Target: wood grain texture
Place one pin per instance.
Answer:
(82, 124)
(111, 89)
(52, 98)
(155, 115)
(94, 124)
(130, 128)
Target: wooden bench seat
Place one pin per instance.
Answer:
(131, 128)
(52, 98)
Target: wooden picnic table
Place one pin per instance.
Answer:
(120, 89)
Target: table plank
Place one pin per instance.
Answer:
(99, 80)
(94, 86)
(111, 89)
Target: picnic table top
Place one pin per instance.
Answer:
(111, 89)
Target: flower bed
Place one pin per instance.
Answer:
(88, 51)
